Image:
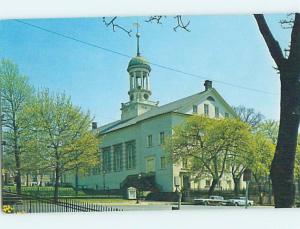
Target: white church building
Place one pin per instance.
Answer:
(132, 147)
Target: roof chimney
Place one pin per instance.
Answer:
(207, 84)
(94, 125)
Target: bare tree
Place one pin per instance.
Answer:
(114, 25)
(249, 115)
(282, 169)
(179, 23)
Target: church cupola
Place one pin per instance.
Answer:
(139, 70)
(139, 85)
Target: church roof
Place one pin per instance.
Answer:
(138, 62)
(178, 106)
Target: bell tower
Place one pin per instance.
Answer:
(139, 85)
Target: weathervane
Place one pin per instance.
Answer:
(137, 25)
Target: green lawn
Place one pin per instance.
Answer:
(106, 201)
(45, 191)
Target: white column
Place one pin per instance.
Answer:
(147, 83)
(143, 81)
(134, 80)
(130, 81)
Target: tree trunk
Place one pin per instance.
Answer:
(18, 174)
(260, 193)
(56, 184)
(27, 179)
(282, 169)
(236, 181)
(76, 180)
(41, 180)
(213, 186)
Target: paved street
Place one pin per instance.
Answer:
(164, 206)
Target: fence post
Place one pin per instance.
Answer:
(66, 203)
(29, 205)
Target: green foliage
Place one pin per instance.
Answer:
(208, 144)
(269, 129)
(60, 136)
(261, 155)
(15, 94)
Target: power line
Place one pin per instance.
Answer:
(152, 63)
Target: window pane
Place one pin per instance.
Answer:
(163, 162)
(117, 157)
(206, 109)
(162, 137)
(130, 155)
(149, 140)
(217, 113)
(195, 109)
(106, 160)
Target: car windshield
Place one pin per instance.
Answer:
(217, 197)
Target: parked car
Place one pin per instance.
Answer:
(211, 200)
(241, 201)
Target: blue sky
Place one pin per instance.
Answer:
(223, 48)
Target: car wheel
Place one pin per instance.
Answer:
(236, 204)
(249, 204)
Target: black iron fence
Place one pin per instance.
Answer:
(30, 204)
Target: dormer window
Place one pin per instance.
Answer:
(195, 109)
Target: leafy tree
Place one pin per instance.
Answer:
(240, 160)
(269, 128)
(208, 144)
(62, 134)
(282, 169)
(15, 94)
(260, 159)
(34, 154)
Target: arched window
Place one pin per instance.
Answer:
(210, 98)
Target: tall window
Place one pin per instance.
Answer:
(149, 140)
(163, 162)
(106, 159)
(217, 112)
(117, 157)
(162, 138)
(206, 109)
(195, 109)
(130, 155)
(226, 115)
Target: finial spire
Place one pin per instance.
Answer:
(137, 39)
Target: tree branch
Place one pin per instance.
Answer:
(156, 19)
(295, 40)
(114, 25)
(273, 45)
(181, 24)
